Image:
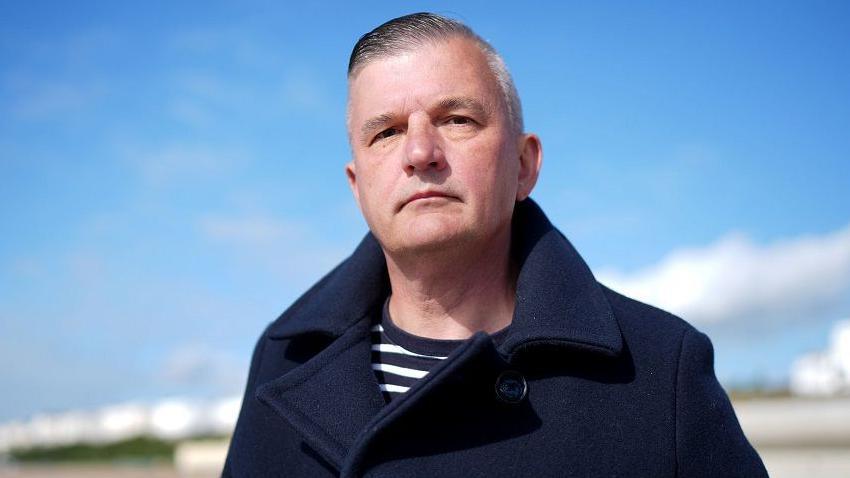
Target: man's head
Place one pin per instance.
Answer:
(406, 33)
(436, 134)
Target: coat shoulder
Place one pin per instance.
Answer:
(709, 439)
(641, 320)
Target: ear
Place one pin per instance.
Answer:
(530, 161)
(351, 173)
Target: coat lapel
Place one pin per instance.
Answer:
(433, 398)
(331, 397)
(558, 301)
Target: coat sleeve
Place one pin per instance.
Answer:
(709, 439)
(256, 357)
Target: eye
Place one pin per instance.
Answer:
(459, 120)
(386, 134)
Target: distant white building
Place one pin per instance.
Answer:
(169, 419)
(825, 372)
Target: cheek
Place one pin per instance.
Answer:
(374, 190)
(491, 171)
(367, 193)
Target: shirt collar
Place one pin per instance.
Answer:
(558, 301)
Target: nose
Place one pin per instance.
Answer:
(423, 150)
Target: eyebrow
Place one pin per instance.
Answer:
(463, 103)
(375, 122)
(445, 104)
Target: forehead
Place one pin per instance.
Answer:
(422, 77)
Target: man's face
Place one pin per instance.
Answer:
(436, 163)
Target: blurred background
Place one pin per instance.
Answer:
(171, 179)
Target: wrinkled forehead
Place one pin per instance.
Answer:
(420, 76)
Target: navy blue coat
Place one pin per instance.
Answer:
(614, 387)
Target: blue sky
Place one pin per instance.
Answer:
(172, 175)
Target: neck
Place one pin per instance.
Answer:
(453, 294)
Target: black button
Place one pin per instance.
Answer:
(511, 387)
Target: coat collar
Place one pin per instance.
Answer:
(558, 301)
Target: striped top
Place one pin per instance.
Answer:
(399, 358)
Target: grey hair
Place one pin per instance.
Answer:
(406, 33)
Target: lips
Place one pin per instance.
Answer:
(425, 195)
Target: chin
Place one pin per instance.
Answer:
(429, 235)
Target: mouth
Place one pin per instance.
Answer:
(425, 195)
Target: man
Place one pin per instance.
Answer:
(465, 336)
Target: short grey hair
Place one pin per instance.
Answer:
(406, 33)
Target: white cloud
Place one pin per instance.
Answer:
(212, 90)
(202, 366)
(202, 96)
(246, 48)
(735, 278)
(250, 231)
(179, 163)
(26, 268)
(302, 89)
(192, 112)
(37, 100)
(294, 253)
(74, 83)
